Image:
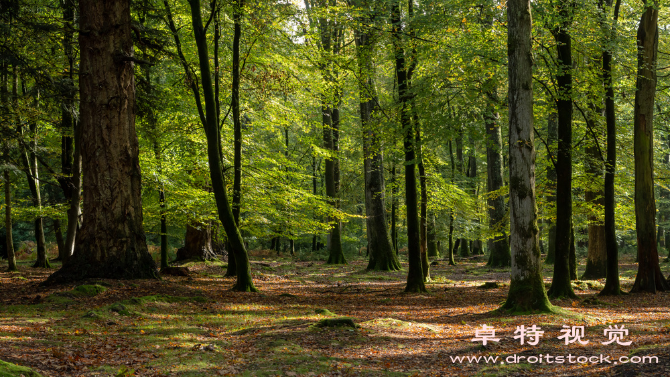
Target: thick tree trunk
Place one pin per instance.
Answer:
(111, 242)
(560, 283)
(197, 243)
(649, 277)
(415, 281)
(596, 260)
(526, 290)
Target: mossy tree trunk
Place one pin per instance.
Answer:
(526, 292)
(649, 277)
(552, 135)
(415, 282)
(560, 283)
(111, 242)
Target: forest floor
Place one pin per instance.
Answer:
(196, 326)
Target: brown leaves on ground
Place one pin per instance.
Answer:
(272, 332)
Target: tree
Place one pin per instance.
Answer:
(415, 276)
(560, 284)
(11, 259)
(111, 242)
(210, 122)
(526, 290)
(382, 256)
(649, 277)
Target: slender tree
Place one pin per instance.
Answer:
(415, 281)
(560, 284)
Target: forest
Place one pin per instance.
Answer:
(334, 188)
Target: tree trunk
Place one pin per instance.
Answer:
(560, 283)
(552, 136)
(498, 246)
(526, 292)
(596, 260)
(74, 211)
(573, 256)
(452, 247)
(58, 233)
(423, 223)
(111, 242)
(649, 277)
(433, 249)
(197, 243)
(30, 168)
(382, 257)
(11, 259)
(415, 281)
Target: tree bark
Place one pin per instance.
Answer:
(498, 246)
(382, 257)
(111, 242)
(415, 281)
(560, 283)
(526, 292)
(197, 243)
(231, 269)
(11, 258)
(596, 259)
(452, 247)
(552, 136)
(649, 277)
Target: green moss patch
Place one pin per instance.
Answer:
(13, 370)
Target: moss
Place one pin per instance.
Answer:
(13, 370)
(163, 298)
(88, 290)
(325, 312)
(527, 296)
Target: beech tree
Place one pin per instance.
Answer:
(526, 291)
(649, 277)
